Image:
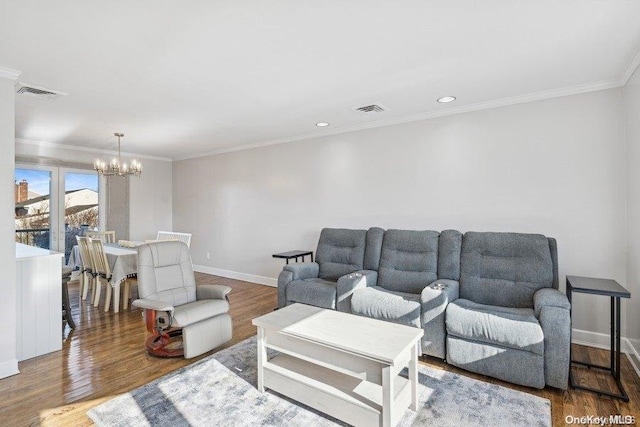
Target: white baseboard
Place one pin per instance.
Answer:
(9, 368)
(261, 280)
(598, 340)
(634, 353)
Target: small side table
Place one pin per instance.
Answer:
(294, 254)
(615, 291)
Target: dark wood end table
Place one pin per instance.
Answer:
(294, 255)
(612, 289)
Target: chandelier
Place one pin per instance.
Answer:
(117, 166)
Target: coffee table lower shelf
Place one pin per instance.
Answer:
(353, 400)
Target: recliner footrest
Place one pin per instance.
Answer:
(206, 335)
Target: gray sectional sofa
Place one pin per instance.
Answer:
(488, 302)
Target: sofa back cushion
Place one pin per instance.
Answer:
(449, 248)
(504, 269)
(340, 251)
(373, 248)
(408, 260)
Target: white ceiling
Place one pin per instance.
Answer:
(187, 78)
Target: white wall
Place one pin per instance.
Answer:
(8, 312)
(632, 133)
(554, 167)
(150, 206)
(150, 200)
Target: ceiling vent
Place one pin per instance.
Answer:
(373, 108)
(39, 92)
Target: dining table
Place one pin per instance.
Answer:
(123, 262)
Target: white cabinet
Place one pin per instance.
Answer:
(39, 301)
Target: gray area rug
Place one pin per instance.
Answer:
(220, 390)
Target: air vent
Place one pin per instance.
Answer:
(373, 108)
(39, 92)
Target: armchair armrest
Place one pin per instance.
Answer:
(303, 270)
(152, 304)
(348, 284)
(434, 300)
(212, 292)
(549, 297)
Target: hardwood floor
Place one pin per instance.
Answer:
(104, 357)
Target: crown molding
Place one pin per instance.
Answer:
(9, 73)
(88, 149)
(631, 68)
(503, 102)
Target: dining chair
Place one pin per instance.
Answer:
(106, 236)
(110, 236)
(102, 271)
(174, 235)
(86, 269)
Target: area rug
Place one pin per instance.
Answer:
(220, 390)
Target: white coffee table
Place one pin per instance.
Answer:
(344, 365)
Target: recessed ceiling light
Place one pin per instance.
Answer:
(446, 99)
(322, 124)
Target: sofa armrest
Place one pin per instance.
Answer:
(291, 272)
(371, 276)
(434, 300)
(303, 270)
(549, 297)
(347, 284)
(556, 328)
(284, 279)
(152, 304)
(212, 292)
(552, 308)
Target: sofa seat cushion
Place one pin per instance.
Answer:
(317, 292)
(379, 303)
(515, 328)
(196, 311)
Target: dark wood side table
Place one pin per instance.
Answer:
(294, 254)
(615, 291)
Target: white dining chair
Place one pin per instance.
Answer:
(105, 236)
(102, 271)
(174, 235)
(86, 269)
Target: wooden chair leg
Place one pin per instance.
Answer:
(86, 282)
(93, 282)
(83, 284)
(116, 298)
(97, 285)
(126, 295)
(108, 298)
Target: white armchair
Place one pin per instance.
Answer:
(173, 303)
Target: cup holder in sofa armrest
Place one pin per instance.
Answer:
(439, 286)
(354, 275)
